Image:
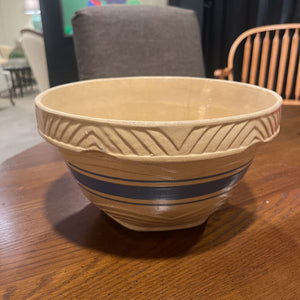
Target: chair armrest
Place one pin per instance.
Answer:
(222, 73)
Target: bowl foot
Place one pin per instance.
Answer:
(159, 228)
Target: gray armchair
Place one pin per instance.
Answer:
(120, 41)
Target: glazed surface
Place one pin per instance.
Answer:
(158, 99)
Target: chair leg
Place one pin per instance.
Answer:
(11, 97)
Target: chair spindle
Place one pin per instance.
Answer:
(246, 59)
(255, 57)
(292, 64)
(264, 60)
(273, 60)
(297, 88)
(282, 62)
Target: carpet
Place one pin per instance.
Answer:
(18, 130)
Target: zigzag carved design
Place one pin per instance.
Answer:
(158, 141)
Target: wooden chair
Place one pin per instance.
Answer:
(270, 59)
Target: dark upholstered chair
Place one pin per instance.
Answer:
(120, 40)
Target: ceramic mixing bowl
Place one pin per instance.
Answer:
(158, 153)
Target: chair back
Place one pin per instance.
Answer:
(271, 59)
(34, 48)
(137, 40)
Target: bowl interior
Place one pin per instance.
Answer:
(158, 99)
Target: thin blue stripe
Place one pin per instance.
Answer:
(152, 204)
(158, 192)
(158, 181)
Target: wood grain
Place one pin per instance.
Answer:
(54, 244)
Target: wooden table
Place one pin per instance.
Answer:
(54, 244)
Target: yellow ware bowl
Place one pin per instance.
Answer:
(158, 153)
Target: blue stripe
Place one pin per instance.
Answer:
(160, 181)
(158, 192)
(153, 204)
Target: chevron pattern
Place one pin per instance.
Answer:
(159, 141)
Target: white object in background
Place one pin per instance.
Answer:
(5, 85)
(5, 50)
(34, 48)
(32, 7)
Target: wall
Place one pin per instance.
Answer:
(12, 20)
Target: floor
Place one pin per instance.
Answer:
(18, 129)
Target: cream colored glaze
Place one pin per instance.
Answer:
(112, 132)
(157, 99)
(256, 117)
(158, 217)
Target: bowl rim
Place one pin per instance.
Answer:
(211, 121)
